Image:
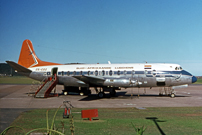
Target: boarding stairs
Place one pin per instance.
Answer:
(45, 90)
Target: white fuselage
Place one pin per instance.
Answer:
(116, 75)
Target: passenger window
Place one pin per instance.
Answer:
(96, 73)
(103, 72)
(118, 73)
(125, 72)
(110, 72)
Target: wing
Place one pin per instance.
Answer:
(90, 79)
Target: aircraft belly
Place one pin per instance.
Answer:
(37, 76)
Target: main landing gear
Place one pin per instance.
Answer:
(79, 90)
(101, 94)
(172, 95)
(101, 91)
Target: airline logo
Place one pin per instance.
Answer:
(33, 56)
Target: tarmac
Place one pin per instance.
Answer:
(15, 99)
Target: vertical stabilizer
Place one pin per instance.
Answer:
(28, 57)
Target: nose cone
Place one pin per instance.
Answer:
(194, 79)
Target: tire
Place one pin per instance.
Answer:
(65, 93)
(101, 94)
(172, 95)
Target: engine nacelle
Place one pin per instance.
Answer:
(119, 82)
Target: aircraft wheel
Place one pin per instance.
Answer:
(65, 93)
(172, 95)
(101, 94)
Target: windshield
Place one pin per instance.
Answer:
(178, 68)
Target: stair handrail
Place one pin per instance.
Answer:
(52, 85)
(41, 86)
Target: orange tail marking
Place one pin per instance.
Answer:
(28, 57)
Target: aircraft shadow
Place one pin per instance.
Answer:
(123, 95)
(119, 95)
(95, 96)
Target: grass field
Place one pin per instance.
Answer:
(16, 80)
(173, 121)
(26, 80)
(199, 81)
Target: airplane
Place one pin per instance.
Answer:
(103, 77)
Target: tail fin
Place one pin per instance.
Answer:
(28, 57)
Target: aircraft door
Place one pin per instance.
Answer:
(54, 71)
(160, 81)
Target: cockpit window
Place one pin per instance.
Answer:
(178, 68)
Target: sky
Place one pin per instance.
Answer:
(98, 31)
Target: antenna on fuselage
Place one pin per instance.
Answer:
(109, 62)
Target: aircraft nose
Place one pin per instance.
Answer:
(194, 79)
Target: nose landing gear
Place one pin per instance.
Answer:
(167, 91)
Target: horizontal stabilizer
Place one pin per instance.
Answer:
(18, 67)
